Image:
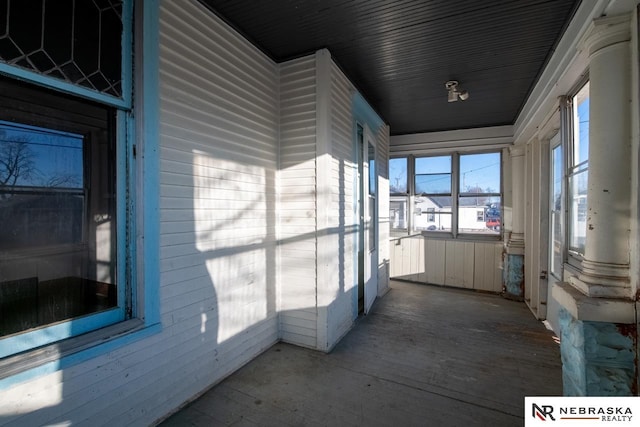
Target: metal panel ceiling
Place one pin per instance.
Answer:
(400, 53)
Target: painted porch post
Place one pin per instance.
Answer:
(597, 319)
(514, 263)
(605, 267)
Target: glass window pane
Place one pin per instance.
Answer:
(433, 175)
(57, 209)
(398, 175)
(556, 213)
(40, 219)
(581, 126)
(398, 213)
(433, 184)
(372, 169)
(432, 214)
(480, 173)
(41, 186)
(578, 211)
(479, 214)
(371, 225)
(433, 165)
(38, 157)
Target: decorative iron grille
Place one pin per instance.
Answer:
(78, 41)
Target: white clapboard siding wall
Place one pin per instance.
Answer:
(218, 159)
(219, 150)
(456, 263)
(238, 228)
(219, 128)
(297, 202)
(342, 312)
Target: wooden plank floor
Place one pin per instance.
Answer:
(424, 356)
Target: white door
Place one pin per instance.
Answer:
(370, 228)
(367, 225)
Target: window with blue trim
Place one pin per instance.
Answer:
(64, 170)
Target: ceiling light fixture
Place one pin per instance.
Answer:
(455, 93)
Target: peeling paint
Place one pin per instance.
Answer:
(598, 358)
(513, 277)
(631, 331)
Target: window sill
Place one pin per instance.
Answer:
(462, 237)
(582, 307)
(405, 234)
(574, 263)
(59, 355)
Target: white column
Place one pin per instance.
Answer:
(605, 267)
(515, 245)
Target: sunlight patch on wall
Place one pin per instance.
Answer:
(229, 203)
(233, 235)
(49, 394)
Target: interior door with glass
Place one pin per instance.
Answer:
(367, 235)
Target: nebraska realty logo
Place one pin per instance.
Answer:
(543, 412)
(582, 411)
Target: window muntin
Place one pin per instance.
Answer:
(79, 42)
(578, 171)
(58, 241)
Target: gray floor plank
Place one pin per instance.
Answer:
(425, 355)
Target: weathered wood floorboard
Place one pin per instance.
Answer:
(424, 356)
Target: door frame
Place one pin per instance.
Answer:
(366, 256)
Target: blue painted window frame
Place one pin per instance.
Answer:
(125, 188)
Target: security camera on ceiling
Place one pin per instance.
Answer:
(454, 93)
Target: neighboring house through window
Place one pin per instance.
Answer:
(458, 193)
(399, 196)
